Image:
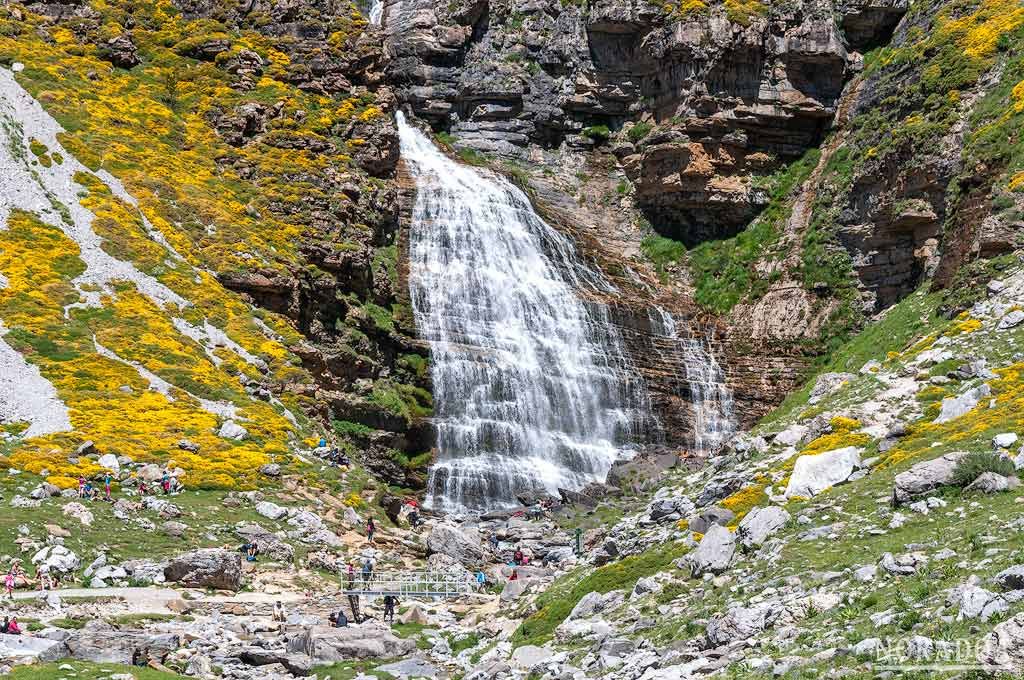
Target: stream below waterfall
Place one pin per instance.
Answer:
(533, 388)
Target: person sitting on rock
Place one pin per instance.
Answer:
(251, 551)
(514, 576)
(338, 620)
(88, 492)
(389, 607)
(13, 628)
(143, 487)
(518, 558)
(278, 615)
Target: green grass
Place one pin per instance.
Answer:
(662, 252)
(639, 131)
(86, 671)
(723, 270)
(136, 620)
(348, 670)
(558, 600)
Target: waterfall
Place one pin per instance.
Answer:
(533, 389)
(376, 12)
(710, 397)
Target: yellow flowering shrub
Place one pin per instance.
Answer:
(744, 500)
(843, 434)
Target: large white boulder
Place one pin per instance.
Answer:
(761, 523)
(813, 474)
(954, 407)
(714, 553)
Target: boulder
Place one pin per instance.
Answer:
(1004, 441)
(78, 511)
(271, 510)
(814, 473)
(1011, 578)
(206, 568)
(232, 430)
(1004, 646)
(527, 657)
(973, 602)
(669, 509)
(175, 529)
(761, 523)
(741, 623)
(954, 407)
(57, 558)
(109, 461)
(270, 470)
(826, 384)
(711, 516)
(992, 482)
(164, 508)
(270, 544)
(1011, 320)
(448, 539)
(103, 644)
(150, 472)
(925, 477)
(714, 553)
(791, 436)
(366, 641)
(25, 647)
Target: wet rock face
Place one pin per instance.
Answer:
(732, 96)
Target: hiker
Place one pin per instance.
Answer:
(494, 542)
(12, 627)
(106, 485)
(518, 558)
(6, 624)
(481, 579)
(371, 528)
(367, 572)
(338, 620)
(278, 612)
(143, 489)
(514, 576)
(389, 607)
(351, 577)
(81, 486)
(165, 482)
(9, 583)
(251, 551)
(43, 574)
(87, 492)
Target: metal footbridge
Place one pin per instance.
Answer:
(412, 585)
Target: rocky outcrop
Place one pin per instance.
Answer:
(367, 641)
(731, 94)
(206, 568)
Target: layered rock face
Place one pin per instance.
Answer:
(735, 94)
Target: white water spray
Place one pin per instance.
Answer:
(710, 397)
(533, 389)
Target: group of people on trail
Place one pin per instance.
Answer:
(17, 577)
(332, 455)
(87, 490)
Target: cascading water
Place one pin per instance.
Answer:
(710, 397)
(376, 14)
(532, 387)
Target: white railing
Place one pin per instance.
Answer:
(411, 584)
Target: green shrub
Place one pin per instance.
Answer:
(598, 133)
(977, 462)
(639, 131)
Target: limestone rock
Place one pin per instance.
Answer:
(1011, 578)
(761, 523)
(815, 473)
(954, 407)
(101, 644)
(714, 553)
(232, 430)
(1004, 646)
(925, 477)
(365, 641)
(992, 482)
(271, 510)
(448, 539)
(206, 568)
